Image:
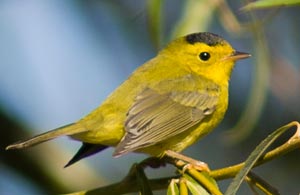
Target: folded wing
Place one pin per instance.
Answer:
(155, 117)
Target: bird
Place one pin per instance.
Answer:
(166, 104)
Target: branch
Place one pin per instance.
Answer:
(292, 144)
(131, 182)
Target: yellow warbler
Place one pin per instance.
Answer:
(167, 104)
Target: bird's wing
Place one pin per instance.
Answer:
(160, 113)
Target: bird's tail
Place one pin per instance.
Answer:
(70, 129)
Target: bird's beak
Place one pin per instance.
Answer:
(237, 55)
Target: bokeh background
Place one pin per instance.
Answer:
(60, 59)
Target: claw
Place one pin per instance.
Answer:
(200, 166)
(191, 163)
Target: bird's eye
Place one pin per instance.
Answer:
(204, 56)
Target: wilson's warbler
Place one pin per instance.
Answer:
(167, 104)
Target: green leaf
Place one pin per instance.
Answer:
(155, 21)
(183, 189)
(270, 3)
(77, 193)
(254, 157)
(173, 188)
(194, 186)
(205, 180)
(196, 16)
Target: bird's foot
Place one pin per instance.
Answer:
(191, 163)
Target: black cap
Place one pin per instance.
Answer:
(205, 37)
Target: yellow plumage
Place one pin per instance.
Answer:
(168, 103)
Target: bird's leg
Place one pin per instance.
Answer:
(192, 163)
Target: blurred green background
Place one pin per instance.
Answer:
(60, 59)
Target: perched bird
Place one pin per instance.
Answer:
(167, 104)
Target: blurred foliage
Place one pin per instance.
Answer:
(155, 20)
(270, 4)
(257, 98)
(21, 160)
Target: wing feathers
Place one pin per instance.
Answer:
(157, 116)
(158, 122)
